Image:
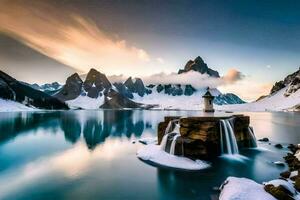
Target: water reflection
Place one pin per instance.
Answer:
(89, 155)
(94, 127)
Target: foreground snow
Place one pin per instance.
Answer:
(12, 106)
(243, 189)
(153, 153)
(86, 102)
(275, 102)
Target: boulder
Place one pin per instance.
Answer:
(278, 146)
(264, 140)
(278, 192)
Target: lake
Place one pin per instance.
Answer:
(92, 155)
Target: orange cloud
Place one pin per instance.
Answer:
(233, 75)
(69, 38)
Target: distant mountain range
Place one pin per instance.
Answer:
(96, 91)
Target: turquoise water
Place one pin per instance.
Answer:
(92, 155)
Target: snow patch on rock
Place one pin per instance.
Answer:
(243, 189)
(154, 154)
(287, 185)
(86, 102)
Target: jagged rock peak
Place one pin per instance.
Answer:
(136, 86)
(292, 82)
(97, 78)
(200, 66)
(72, 89)
(74, 77)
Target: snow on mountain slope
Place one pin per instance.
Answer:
(275, 102)
(12, 106)
(85, 102)
(165, 101)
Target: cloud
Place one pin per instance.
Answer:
(248, 89)
(269, 66)
(233, 75)
(193, 78)
(68, 37)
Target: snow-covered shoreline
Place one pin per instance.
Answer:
(12, 106)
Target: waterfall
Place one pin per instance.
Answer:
(164, 142)
(230, 145)
(172, 150)
(253, 138)
(165, 137)
(167, 132)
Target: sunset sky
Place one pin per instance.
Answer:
(45, 41)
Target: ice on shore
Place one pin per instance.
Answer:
(154, 154)
(13, 106)
(148, 140)
(243, 189)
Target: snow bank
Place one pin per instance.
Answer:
(148, 140)
(153, 153)
(86, 102)
(12, 106)
(275, 102)
(243, 189)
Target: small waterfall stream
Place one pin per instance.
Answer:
(253, 138)
(168, 131)
(173, 144)
(226, 130)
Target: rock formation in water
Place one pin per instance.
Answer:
(201, 138)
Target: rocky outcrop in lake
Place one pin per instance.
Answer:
(202, 137)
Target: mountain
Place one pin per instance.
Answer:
(199, 65)
(292, 81)
(284, 95)
(96, 84)
(48, 88)
(12, 89)
(115, 100)
(96, 91)
(228, 98)
(72, 88)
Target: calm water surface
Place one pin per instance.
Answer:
(91, 155)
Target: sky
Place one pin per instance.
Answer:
(48, 40)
